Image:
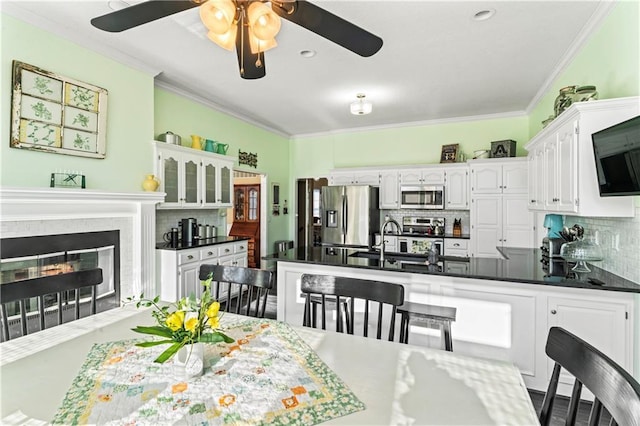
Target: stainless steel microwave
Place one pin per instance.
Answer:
(422, 197)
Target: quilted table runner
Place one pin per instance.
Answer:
(267, 376)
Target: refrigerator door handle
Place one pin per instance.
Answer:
(345, 210)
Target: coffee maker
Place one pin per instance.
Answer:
(189, 230)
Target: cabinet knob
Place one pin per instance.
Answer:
(456, 245)
(533, 201)
(209, 253)
(227, 250)
(189, 257)
(553, 312)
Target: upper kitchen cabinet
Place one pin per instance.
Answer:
(499, 176)
(422, 176)
(191, 178)
(456, 192)
(354, 177)
(562, 164)
(389, 189)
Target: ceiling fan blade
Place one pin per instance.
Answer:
(329, 26)
(251, 64)
(139, 14)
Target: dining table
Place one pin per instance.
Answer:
(274, 373)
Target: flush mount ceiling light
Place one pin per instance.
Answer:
(361, 106)
(249, 26)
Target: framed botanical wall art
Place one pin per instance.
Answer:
(52, 113)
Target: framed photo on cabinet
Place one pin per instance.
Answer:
(449, 153)
(57, 114)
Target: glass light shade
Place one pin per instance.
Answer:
(226, 40)
(361, 107)
(258, 45)
(218, 15)
(264, 23)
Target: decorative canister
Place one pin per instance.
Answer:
(585, 93)
(195, 142)
(150, 183)
(564, 99)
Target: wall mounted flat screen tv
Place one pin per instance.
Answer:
(617, 155)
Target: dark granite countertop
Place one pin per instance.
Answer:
(519, 265)
(201, 243)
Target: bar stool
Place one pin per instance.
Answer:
(430, 316)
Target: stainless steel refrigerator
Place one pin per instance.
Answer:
(350, 215)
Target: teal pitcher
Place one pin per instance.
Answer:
(222, 148)
(210, 145)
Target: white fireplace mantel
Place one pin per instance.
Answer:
(59, 204)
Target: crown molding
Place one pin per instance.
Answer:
(511, 114)
(67, 32)
(595, 21)
(186, 93)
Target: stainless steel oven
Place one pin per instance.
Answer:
(420, 245)
(422, 197)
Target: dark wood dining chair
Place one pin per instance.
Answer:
(613, 388)
(246, 289)
(17, 294)
(430, 316)
(341, 288)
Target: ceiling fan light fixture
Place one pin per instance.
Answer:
(218, 15)
(226, 40)
(361, 106)
(265, 24)
(258, 45)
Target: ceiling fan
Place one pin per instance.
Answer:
(248, 25)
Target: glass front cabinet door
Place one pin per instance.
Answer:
(226, 185)
(169, 178)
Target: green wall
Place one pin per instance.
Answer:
(186, 117)
(314, 157)
(610, 60)
(129, 115)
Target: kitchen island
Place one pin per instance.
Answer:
(505, 307)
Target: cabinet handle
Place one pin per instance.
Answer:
(189, 257)
(553, 312)
(456, 245)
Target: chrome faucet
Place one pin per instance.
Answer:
(387, 220)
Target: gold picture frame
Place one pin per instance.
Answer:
(449, 153)
(57, 114)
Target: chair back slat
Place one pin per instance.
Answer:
(345, 291)
(241, 288)
(611, 385)
(39, 287)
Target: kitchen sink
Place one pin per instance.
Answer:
(391, 257)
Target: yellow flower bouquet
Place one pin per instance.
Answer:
(185, 322)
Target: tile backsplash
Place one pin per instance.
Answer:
(167, 219)
(619, 239)
(449, 216)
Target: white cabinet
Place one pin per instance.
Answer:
(562, 156)
(500, 221)
(234, 254)
(604, 324)
(456, 192)
(499, 176)
(389, 190)
(390, 243)
(217, 182)
(422, 176)
(179, 269)
(354, 177)
(456, 247)
(191, 178)
(537, 176)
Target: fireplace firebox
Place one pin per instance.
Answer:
(45, 259)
